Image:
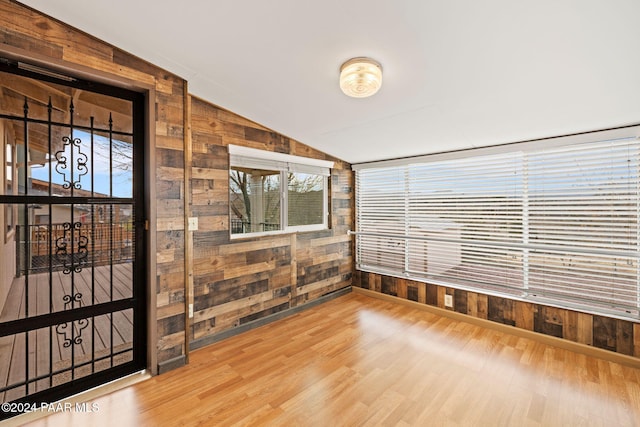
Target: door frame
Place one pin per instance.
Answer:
(149, 92)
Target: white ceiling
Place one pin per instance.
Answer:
(457, 73)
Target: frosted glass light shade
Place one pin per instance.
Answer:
(360, 77)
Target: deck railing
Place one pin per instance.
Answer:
(241, 226)
(57, 246)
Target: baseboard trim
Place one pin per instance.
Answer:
(580, 348)
(205, 341)
(171, 364)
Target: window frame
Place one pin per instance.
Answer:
(284, 164)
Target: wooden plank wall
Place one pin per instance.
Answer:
(237, 281)
(617, 335)
(37, 35)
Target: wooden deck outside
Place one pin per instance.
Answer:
(50, 349)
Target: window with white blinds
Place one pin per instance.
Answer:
(557, 223)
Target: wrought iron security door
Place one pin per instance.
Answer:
(72, 283)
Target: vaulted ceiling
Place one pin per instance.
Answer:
(457, 74)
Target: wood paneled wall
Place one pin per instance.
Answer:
(617, 335)
(237, 281)
(234, 282)
(36, 36)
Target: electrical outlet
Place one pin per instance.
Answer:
(448, 301)
(190, 311)
(193, 223)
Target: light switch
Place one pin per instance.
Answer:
(193, 223)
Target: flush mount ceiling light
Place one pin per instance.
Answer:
(360, 77)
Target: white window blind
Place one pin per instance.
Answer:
(558, 225)
(261, 159)
(381, 206)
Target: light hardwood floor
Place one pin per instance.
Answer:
(358, 361)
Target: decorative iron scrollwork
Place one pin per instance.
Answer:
(61, 247)
(77, 259)
(72, 164)
(82, 252)
(72, 331)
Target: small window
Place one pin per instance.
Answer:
(305, 199)
(274, 192)
(255, 200)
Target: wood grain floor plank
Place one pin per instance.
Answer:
(360, 361)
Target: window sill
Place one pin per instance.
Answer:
(291, 230)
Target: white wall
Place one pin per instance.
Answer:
(8, 248)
